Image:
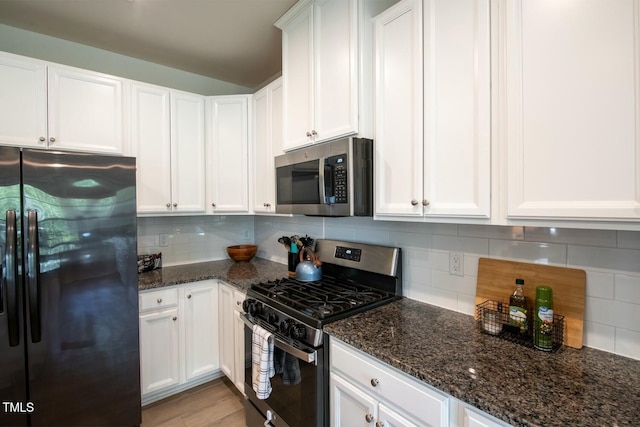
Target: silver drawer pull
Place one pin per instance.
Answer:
(374, 382)
(368, 418)
(159, 300)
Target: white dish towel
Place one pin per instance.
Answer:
(262, 361)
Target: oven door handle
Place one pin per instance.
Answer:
(305, 356)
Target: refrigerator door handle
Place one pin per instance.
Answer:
(33, 274)
(11, 278)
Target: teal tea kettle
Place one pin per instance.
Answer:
(308, 270)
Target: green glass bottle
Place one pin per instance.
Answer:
(543, 323)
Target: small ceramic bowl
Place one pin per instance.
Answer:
(242, 252)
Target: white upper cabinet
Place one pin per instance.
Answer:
(570, 115)
(267, 143)
(187, 152)
(457, 108)
(327, 71)
(398, 147)
(57, 107)
(151, 143)
(23, 103)
(85, 111)
(433, 110)
(228, 154)
(167, 132)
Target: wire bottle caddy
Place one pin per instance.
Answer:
(492, 318)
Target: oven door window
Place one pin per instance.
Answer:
(294, 394)
(298, 184)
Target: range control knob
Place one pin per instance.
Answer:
(245, 305)
(297, 332)
(252, 307)
(284, 326)
(272, 318)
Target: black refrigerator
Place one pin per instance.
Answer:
(69, 353)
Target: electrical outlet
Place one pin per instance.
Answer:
(163, 239)
(245, 234)
(456, 264)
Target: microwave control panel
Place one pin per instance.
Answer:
(336, 192)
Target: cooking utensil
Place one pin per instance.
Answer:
(309, 271)
(286, 241)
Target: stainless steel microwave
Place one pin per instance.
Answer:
(329, 179)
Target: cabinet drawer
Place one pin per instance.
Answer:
(392, 386)
(158, 299)
(238, 299)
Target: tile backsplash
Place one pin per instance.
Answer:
(610, 258)
(189, 239)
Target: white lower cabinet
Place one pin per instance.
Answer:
(178, 338)
(364, 391)
(231, 334)
(469, 416)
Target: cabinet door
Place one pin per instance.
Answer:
(572, 110)
(226, 330)
(151, 143)
(335, 24)
(85, 111)
(349, 405)
(228, 177)
(159, 350)
(187, 152)
(201, 330)
(262, 173)
(267, 140)
(239, 351)
(297, 73)
(471, 417)
(398, 110)
(457, 119)
(23, 103)
(388, 417)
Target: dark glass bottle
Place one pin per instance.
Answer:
(519, 310)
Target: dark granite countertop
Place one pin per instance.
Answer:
(239, 274)
(519, 385)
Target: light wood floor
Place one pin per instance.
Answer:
(216, 403)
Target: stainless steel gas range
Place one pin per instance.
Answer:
(356, 277)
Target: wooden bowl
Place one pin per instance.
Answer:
(242, 252)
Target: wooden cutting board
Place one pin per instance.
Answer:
(497, 281)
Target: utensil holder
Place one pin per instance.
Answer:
(492, 318)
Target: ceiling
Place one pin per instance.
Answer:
(230, 40)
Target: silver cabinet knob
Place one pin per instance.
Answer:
(380, 424)
(168, 205)
(308, 134)
(238, 302)
(175, 318)
(374, 382)
(314, 133)
(52, 139)
(414, 202)
(43, 139)
(368, 418)
(425, 202)
(213, 205)
(175, 205)
(159, 300)
(189, 296)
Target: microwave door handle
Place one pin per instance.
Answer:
(321, 178)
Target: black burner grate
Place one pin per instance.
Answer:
(320, 299)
